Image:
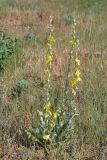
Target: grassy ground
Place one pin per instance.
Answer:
(28, 19)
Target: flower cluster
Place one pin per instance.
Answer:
(49, 119)
(50, 43)
(76, 79)
(50, 58)
(74, 44)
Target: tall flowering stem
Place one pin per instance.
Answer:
(50, 43)
(74, 44)
(76, 75)
(72, 83)
(48, 116)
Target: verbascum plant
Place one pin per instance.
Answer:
(74, 44)
(55, 124)
(47, 115)
(73, 70)
(50, 43)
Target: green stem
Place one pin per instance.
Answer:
(67, 81)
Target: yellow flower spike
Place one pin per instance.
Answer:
(47, 107)
(77, 61)
(46, 137)
(78, 73)
(49, 59)
(49, 46)
(51, 40)
(55, 115)
(74, 81)
(73, 42)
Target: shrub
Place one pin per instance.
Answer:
(68, 19)
(8, 46)
(31, 38)
(20, 87)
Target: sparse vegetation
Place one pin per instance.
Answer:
(53, 93)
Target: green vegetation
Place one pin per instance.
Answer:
(8, 46)
(20, 87)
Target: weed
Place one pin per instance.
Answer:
(8, 46)
(68, 19)
(21, 86)
(32, 38)
(56, 84)
(56, 123)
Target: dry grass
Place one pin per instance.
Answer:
(18, 113)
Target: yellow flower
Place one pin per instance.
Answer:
(78, 73)
(77, 61)
(46, 137)
(49, 59)
(52, 126)
(75, 80)
(47, 106)
(55, 115)
(73, 42)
